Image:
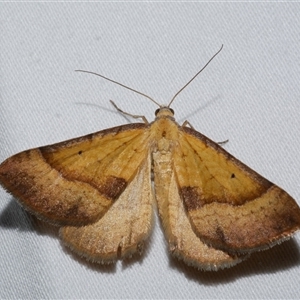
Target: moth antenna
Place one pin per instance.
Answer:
(195, 76)
(124, 86)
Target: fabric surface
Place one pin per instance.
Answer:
(249, 94)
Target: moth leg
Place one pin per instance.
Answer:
(223, 142)
(128, 114)
(187, 124)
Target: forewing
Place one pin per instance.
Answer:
(230, 206)
(76, 181)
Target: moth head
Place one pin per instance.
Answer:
(164, 111)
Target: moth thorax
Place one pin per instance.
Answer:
(163, 145)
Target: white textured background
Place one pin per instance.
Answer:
(249, 94)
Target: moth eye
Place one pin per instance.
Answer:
(172, 111)
(157, 111)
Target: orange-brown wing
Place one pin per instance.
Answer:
(230, 206)
(76, 181)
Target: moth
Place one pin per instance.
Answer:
(214, 209)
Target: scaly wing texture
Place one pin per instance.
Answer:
(123, 229)
(230, 206)
(76, 181)
(182, 240)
